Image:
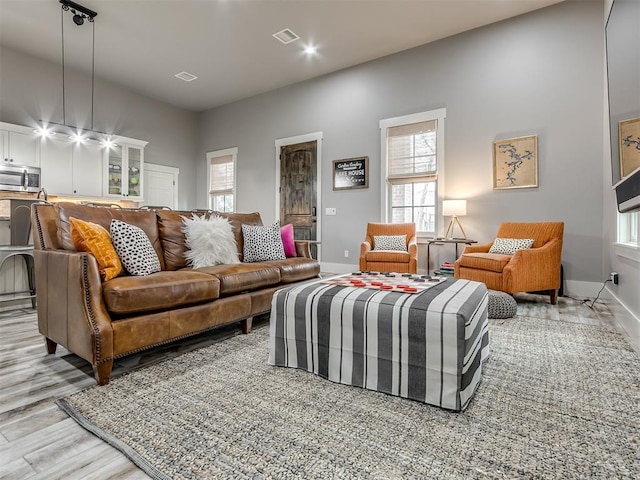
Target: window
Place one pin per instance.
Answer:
(628, 228)
(222, 179)
(412, 155)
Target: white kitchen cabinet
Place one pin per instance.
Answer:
(87, 169)
(71, 168)
(123, 170)
(19, 145)
(56, 163)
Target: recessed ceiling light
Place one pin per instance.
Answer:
(286, 36)
(310, 50)
(187, 77)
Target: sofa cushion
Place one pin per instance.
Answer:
(210, 241)
(134, 249)
(288, 242)
(262, 243)
(243, 276)
(173, 239)
(93, 238)
(509, 246)
(145, 219)
(158, 291)
(390, 242)
(297, 268)
(237, 220)
(494, 262)
(394, 256)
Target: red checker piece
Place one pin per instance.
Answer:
(410, 289)
(377, 284)
(386, 287)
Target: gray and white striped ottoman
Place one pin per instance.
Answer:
(427, 346)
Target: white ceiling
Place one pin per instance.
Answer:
(142, 44)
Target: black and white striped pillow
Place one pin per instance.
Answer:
(509, 246)
(390, 242)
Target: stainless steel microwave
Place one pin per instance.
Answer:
(19, 178)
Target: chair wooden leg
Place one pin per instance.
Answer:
(102, 372)
(50, 345)
(553, 294)
(246, 325)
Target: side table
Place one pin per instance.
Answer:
(441, 241)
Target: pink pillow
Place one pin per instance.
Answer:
(287, 240)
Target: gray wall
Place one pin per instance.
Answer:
(31, 90)
(540, 73)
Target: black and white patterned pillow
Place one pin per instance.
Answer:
(134, 249)
(509, 246)
(390, 242)
(262, 243)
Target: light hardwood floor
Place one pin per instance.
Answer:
(39, 441)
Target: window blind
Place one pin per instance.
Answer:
(411, 152)
(221, 181)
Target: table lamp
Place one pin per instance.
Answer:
(454, 209)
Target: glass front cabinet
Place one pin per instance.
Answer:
(124, 166)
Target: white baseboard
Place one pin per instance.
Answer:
(632, 316)
(580, 289)
(338, 267)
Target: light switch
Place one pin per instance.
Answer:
(330, 211)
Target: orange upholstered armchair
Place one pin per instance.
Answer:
(532, 268)
(388, 255)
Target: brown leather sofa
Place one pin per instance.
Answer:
(102, 321)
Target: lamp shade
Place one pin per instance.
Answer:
(452, 208)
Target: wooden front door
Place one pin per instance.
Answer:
(298, 190)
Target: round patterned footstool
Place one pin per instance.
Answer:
(501, 305)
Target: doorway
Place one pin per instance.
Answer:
(298, 182)
(160, 186)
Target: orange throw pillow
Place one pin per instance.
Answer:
(93, 238)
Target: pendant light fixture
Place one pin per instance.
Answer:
(80, 15)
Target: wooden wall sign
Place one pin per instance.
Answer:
(351, 173)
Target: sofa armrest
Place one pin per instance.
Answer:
(477, 248)
(71, 311)
(364, 248)
(302, 249)
(534, 268)
(412, 246)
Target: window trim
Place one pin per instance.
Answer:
(233, 152)
(439, 116)
(624, 229)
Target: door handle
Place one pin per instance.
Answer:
(313, 211)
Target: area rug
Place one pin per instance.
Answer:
(557, 400)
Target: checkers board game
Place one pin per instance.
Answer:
(392, 282)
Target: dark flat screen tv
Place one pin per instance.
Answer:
(623, 76)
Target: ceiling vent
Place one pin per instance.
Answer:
(187, 77)
(286, 36)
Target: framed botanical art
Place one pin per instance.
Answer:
(515, 162)
(351, 173)
(629, 131)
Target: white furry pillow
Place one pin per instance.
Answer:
(210, 241)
